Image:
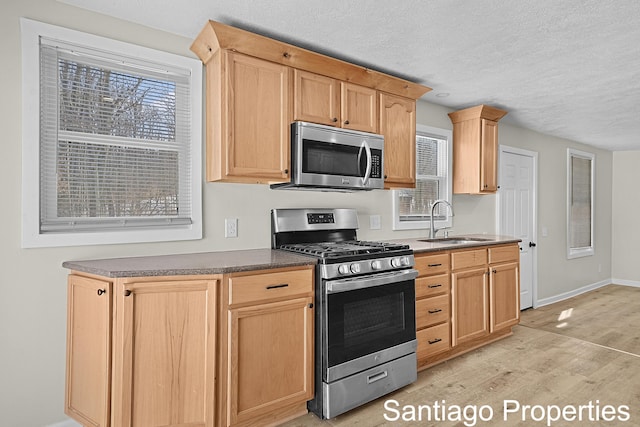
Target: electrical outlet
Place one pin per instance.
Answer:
(374, 222)
(231, 227)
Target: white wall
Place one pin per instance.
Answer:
(626, 228)
(33, 285)
(558, 275)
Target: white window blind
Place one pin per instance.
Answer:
(413, 206)
(115, 141)
(580, 203)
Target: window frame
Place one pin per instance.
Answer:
(32, 235)
(436, 133)
(579, 252)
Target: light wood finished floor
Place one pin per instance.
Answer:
(579, 351)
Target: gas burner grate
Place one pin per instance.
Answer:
(344, 248)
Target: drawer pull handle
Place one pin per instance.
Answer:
(435, 286)
(437, 340)
(101, 292)
(437, 310)
(281, 285)
(434, 265)
(377, 377)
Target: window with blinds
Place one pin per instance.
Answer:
(117, 144)
(413, 206)
(580, 167)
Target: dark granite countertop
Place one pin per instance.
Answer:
(191, 264)
(442, 244)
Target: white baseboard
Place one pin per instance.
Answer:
(67, 423)
(575, 292)
(633, 283)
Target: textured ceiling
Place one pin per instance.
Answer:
(566, 68)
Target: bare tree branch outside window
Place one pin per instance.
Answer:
(136, 178)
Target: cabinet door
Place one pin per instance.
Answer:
(470, 305)
(87, 392)
(270, 357)
(505, 295)
(398, 125)
(164, 359)
(316, 98)
(257, 119)
(358, 108)
(489, 157)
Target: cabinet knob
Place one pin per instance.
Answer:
(127, 292)
(286, 171)
(335, 119)
(346, 122)
(101, 292)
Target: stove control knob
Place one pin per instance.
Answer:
(395, 262)
(343, 269)
(376, 265)
(405, 261)
(355, 268)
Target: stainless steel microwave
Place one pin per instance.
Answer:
(329, 158)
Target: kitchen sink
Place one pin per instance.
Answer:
(455, 240)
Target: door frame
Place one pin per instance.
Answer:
(534, 254)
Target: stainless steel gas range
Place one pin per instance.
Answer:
(365, 327)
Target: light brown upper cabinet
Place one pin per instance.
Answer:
(398, 125)
(247, 119)
(475, 149)
(256, 86)
(321, 99)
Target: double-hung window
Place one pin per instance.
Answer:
(111, 141)
(412, 207)
(580, 181)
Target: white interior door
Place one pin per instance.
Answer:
(517, 212)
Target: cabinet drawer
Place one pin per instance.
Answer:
(432, 264)
(431, 311)
(433, 285)
(260, 287)
(504, 254)
(433, 340)
(465, 259)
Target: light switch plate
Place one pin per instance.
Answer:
(374, 222)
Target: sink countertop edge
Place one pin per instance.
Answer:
(488, 240)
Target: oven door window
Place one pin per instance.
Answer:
(367, 320)
(333, 159)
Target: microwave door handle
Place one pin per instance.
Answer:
(367, 173)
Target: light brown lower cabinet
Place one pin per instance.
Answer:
(189, 350)
(470, 305)
(484, 300)
(268, 374)
(88, 380)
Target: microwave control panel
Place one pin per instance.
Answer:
(376, 163)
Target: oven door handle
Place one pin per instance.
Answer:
(354, 283)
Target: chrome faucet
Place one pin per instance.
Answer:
(432, 229)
